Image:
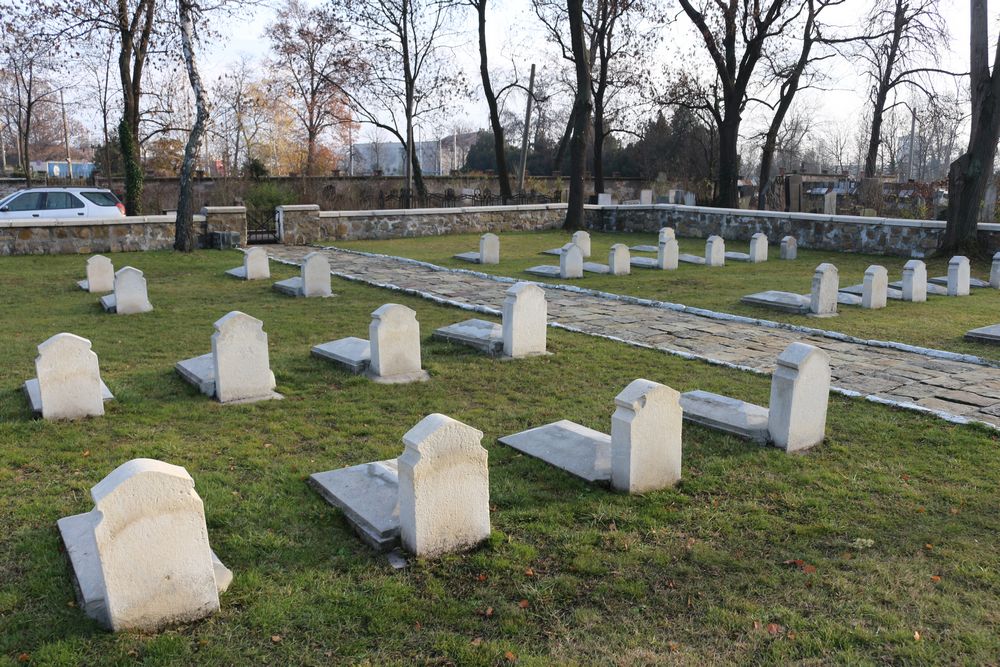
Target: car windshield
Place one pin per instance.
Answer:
(101, 198)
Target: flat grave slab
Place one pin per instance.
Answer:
(473, 257)
(644, 248)
(34, 394)
(943, 280)
(787, 302)
(290, 286)
(644, 262)
(690, 259)
(847, 299)
(238, 272)
(724, 413)
(546, 271)
(858, 290)
(109, 303)
(595, 267)
(576, 449)
(555, 251)
(351, 352)
(480, 334)
(738, 256)
(931, 288)
(368, 495)
(988, 334)
(199, 371)
(84, 285)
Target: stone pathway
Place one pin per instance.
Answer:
(956, 389)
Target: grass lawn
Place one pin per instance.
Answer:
(889, 528)
(939, 323)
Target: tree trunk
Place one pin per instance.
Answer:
(582, 107)
(560, 155)
(184, 238)
(599, 136)
(729, 159)
(499, 144)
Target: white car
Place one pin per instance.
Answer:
(61, 203)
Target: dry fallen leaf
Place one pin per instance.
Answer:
(773, 628)
(417, 626)
(523, 604)
(756, 625)
(929, 547)
(808, 569)
(86, 452)
(275, 639)
(954, 510)
(481, 577)
(23, 657)
(790, 634)
(673, 646)
(488, 613)
(510, 657)
(920, 510)
(477, 641)
(916, 636)
(529, 572)
(935, 578)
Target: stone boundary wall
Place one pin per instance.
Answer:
(304, 224)
(842, 233)
(61, 236)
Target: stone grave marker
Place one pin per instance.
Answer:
(646, 197)
(581, 239)
(789, 248)
(489, 251)
(914, 281)
(313, 281)
(958, 276)
(394, 334)
(255, 265)
(619, 263)
(995, 271)
(68, 383)
(604, 199)
(715, 251)
(830, 203)
(129, 297)
(876, 287)
(522, 333)
(690, 199)
(823, 296)
(758, 248)
(100, 275)
(141, 557)
(571, 263)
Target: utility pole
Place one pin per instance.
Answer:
(527, 124)
(913, 124)
(69, 160)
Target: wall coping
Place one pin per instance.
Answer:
(223, 209)
(439, 211)
(20, 223)
(298, 207)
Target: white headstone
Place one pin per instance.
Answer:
(789, 248)
(130, 292)
(645, 197)
(444, 487)
(915, 281)
(69, 378)
(667, 254)
(582, 240)
(151, 549)
(830, 203)
(689, 199)
(958, 276)
(489, 249)
(100, 274)
(875, 289)
(619, 260)
(239, 352)
(646, 438)
(758, 248)
(394, 335)
(800, 391)
(571, 262)
(255, 264)
(667, 233)
(525, 319)
(715, 251)
(994, 271)
(316, 275)
(604, 199)
(823, 296)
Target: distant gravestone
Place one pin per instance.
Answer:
(242, 366)
(582, 240)
(823, 295)
(68, 383)
(444, 488)
(646, 197)
(995, 271)
(830, 203)
(141, 557)
(914, 281)
(689, 199)
(100, 275)
(800, 392)
(646, 438)
(758, 248)
(316, 275)
(489, 249)
(394, 336)
(958, 276)
(571, 262)
(619, 260)
(667, 253)
(130, 296)
(603, 199)
(666, 233)
(715, 251)
(525, 321)
(789, 248)
(255, 264)
(875, 288)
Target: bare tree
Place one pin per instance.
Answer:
(499, 141)
(98, 64)
(970, 173)
(188, 14)
(311, 56)
(582, 108)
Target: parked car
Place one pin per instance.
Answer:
(61, 203)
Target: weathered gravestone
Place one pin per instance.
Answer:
(581, 239)
(823, 296)
(570, 264)
(796, 416)
(758, 250)
(141, 557)
(619, 263)
(489, 251)
(995, 271)
(789, 248)
(914, 281)
(68, 383)
(643, 452)
(958, 276)
(820, 302)
(646, 197)
(314, 280)
(130, 296)
(237, 370)
(434, 498)
(255, 265)
(715, 251)
(875, 287)
(604, 199)
(522, 334)
(100, 275)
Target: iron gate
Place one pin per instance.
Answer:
(262, 226)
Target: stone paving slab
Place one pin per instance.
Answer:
(955, 387)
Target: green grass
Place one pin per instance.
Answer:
(939, 323)
(691, 575)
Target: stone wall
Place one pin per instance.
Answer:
(307, 224)
(60, 236)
